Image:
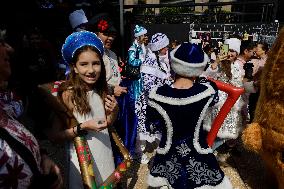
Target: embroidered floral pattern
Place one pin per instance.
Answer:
(149, 82)
(183, 149)
(27, 140)
(10, 179)
(199, 172)
(171, 170)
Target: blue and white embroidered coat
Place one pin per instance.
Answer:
(135, 87)
(127, 116)
(183, 158)
(153, 75)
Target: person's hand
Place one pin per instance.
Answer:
(49, 167)
(118, 90)
(219, 58)
(110, 104)
(222, 57)
(94, 124)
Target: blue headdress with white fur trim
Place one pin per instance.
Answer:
(139, 30)
(188, 60)
(77, 40)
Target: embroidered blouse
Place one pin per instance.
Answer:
(14, 171)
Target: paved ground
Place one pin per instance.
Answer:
(245, 169)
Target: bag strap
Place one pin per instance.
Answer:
(21, 150)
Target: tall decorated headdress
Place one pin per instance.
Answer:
(77, 40)
(159, 41)
(188, 60)
(139, 30)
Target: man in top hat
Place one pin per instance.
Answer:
(102, 25)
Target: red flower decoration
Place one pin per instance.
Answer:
(103, 25)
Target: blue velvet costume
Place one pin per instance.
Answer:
(127, 115)
(183, 158)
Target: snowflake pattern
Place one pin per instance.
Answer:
(199, 172)
(183, 149)
(149, 82)
(170, 170)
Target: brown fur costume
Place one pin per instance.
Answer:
(266, 134)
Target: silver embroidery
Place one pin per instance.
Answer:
(199, 172)
(183, 149)
(171, 170)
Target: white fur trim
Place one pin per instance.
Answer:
(144, 31)
(196, 143)
(153, 70)
(157, 181)
(181, 101)
(168, 125)
(187, 69)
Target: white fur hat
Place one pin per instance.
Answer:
(139, 30)
(159, 41)
(77, 18)
(188, 60)
(234, 44)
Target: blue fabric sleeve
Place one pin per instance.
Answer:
(132, 58)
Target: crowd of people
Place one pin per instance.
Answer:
(163, 96)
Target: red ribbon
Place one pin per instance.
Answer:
(233, 95)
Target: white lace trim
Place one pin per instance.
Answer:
(196, 144)
(168, 125)
(182, 101)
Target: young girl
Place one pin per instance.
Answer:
(155, 71)
(85, 94)
(183, 158)
(224, 70)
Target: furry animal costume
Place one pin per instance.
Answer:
(265, 135)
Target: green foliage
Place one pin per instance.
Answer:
(175, 10)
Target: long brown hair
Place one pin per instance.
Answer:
(79, 87)
(226, 68)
